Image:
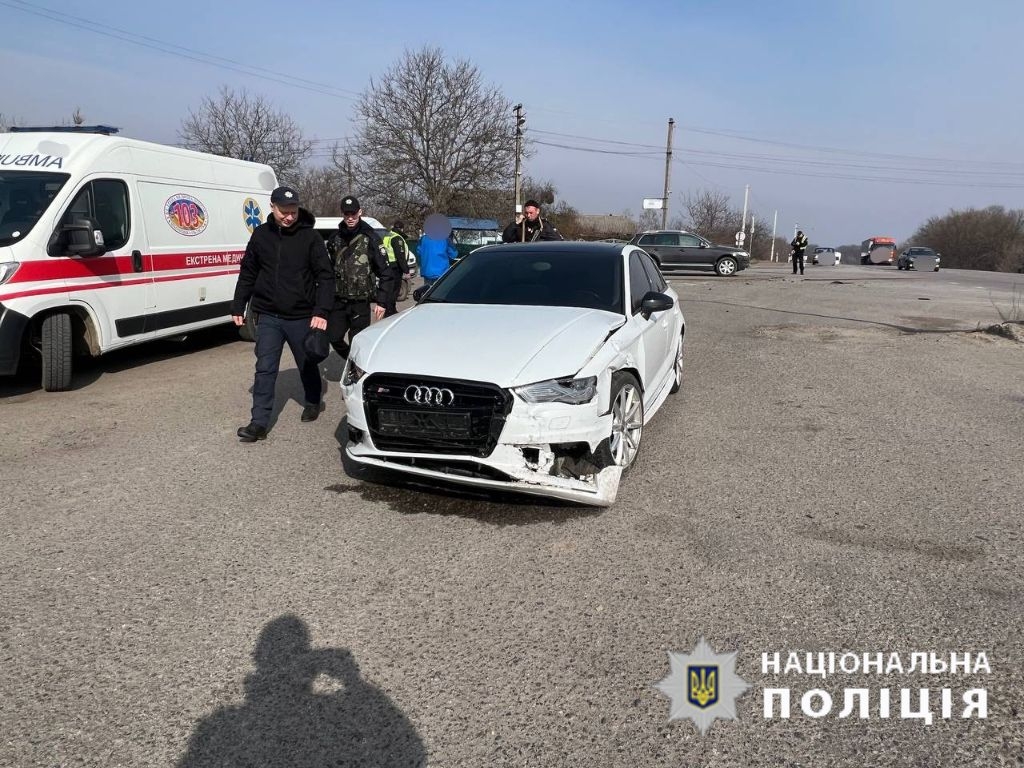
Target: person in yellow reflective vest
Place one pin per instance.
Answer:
(398, 252)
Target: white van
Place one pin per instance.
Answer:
(107, 242)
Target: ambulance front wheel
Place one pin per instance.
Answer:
(56, 349)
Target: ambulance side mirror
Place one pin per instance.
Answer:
(78, 237)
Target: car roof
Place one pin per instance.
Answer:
(562, 246)
(667, 232)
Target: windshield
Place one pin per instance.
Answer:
(24, 196)
(590, 279)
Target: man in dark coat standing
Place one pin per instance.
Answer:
(529, 226)
(286, 280)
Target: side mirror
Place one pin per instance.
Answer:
(654, 302)
(79, 237)
(703, 244)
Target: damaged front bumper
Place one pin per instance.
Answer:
(553, 450)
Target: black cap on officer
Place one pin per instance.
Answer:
(350, 204)
(284, 196)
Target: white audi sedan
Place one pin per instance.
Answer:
(530, 367)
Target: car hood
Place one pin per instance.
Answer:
(505, 345)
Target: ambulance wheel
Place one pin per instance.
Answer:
(403, 290)
(56, 351)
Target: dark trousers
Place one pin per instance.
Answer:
(798, 258)
(271, 334)
(348, 316)
(391, 305)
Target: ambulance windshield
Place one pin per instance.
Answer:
(24, 196)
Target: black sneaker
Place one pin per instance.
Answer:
(310, 412)
(250, 433)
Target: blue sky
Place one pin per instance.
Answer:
(849, 118)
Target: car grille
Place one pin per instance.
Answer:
(469, 422)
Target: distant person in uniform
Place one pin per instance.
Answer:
(799, 245)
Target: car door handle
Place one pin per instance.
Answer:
(137, 261)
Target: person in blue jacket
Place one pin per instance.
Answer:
(435, 256)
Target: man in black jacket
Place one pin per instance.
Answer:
(799, 245)
(286, 279)
(363, 282)
(529, 226)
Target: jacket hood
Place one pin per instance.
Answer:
(306, 219)
(506, 345)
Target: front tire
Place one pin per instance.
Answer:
(56, 348)
(726, 266)
(627, 409)
(403, 289)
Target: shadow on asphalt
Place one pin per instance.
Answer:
(410, 495)
(286, 720)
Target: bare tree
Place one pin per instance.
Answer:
(248, 128)
(6, 121)
(320, 189)
(649, 219)
(990, 238)
(710, 212)
(430, 129)
(77, 118)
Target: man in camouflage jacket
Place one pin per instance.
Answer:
(362, 279)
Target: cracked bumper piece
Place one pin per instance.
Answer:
(550, 449)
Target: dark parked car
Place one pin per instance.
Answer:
(677, 250)
(919, 258)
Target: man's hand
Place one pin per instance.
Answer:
(319, 323)
(238, 319)
(377, 310)
(519, 218)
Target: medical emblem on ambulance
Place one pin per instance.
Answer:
(252, 214)
(186, 215)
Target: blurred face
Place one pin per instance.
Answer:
(284, 215)
(531, 213)
(351, 219)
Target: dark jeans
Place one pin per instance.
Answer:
(271, 334)
(798, 258)
(348, 316)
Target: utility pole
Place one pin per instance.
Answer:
(775, 222)
(520, 121)
(668, 174)
(750, 244)
(746, 194)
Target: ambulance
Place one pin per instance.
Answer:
(107, 242)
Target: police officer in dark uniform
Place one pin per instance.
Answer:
(398, 262)
(799, 245)
(363, 281)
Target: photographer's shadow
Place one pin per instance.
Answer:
(285, 722)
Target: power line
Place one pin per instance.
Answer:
(172, 49)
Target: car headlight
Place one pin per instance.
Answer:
(7, 270)
(352, 374)
(571, 391)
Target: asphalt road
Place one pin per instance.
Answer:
(171, 596)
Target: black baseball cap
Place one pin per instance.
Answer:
(284, 196)
(350, 204)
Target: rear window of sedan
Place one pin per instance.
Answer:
(589, 279)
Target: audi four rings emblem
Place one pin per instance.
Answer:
(420, 395)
